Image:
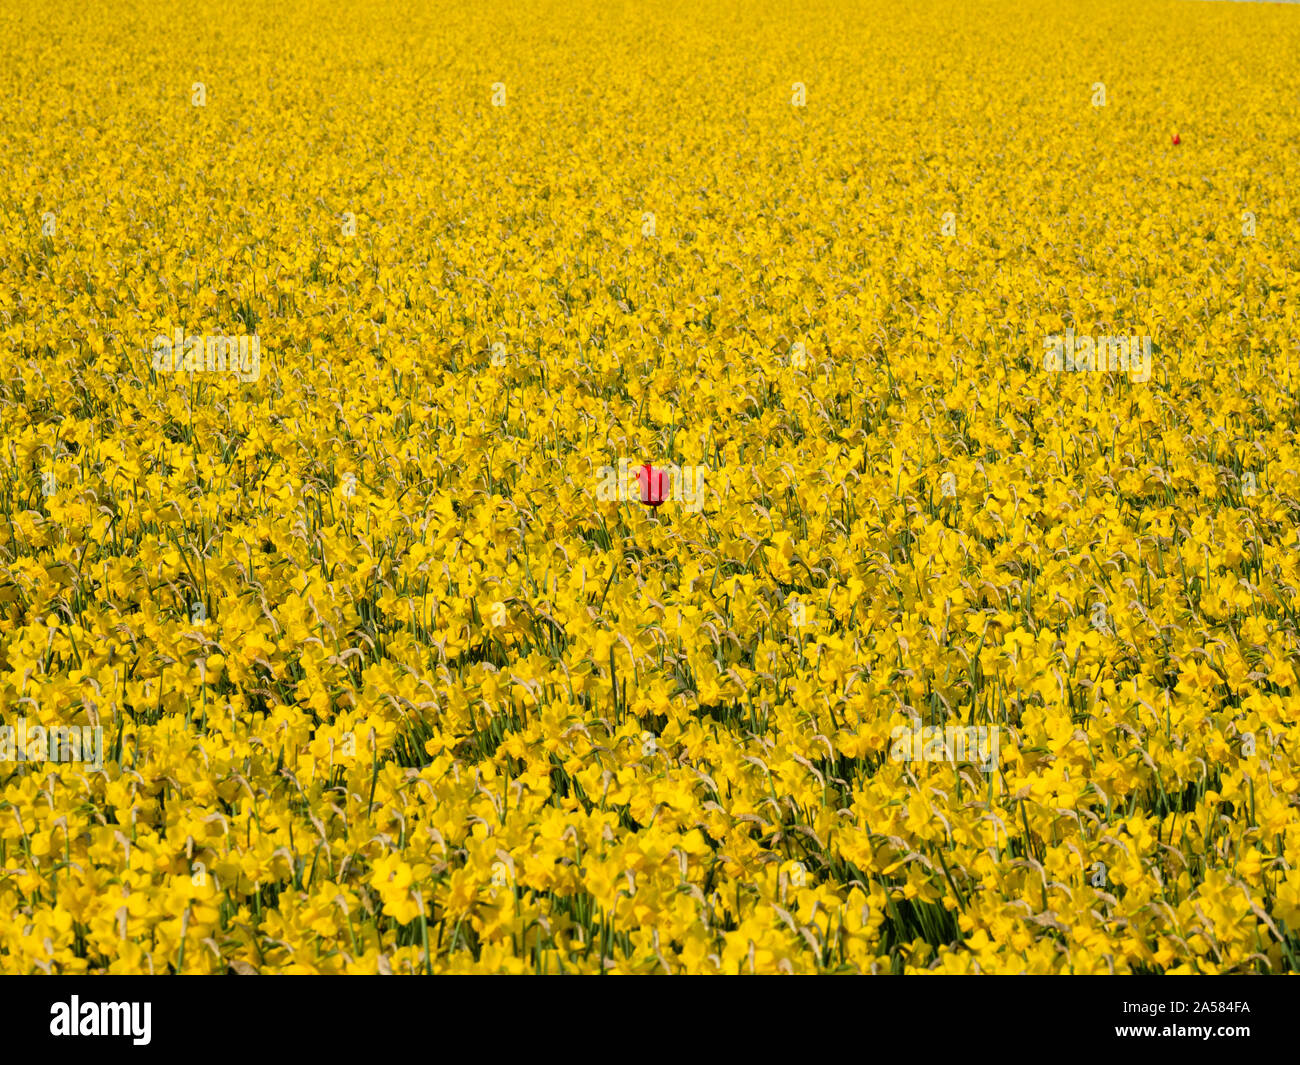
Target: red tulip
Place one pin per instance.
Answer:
(654, 485)
(1176, 140)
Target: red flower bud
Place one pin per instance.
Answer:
(654, 485)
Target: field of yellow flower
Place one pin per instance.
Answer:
(323, 327)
